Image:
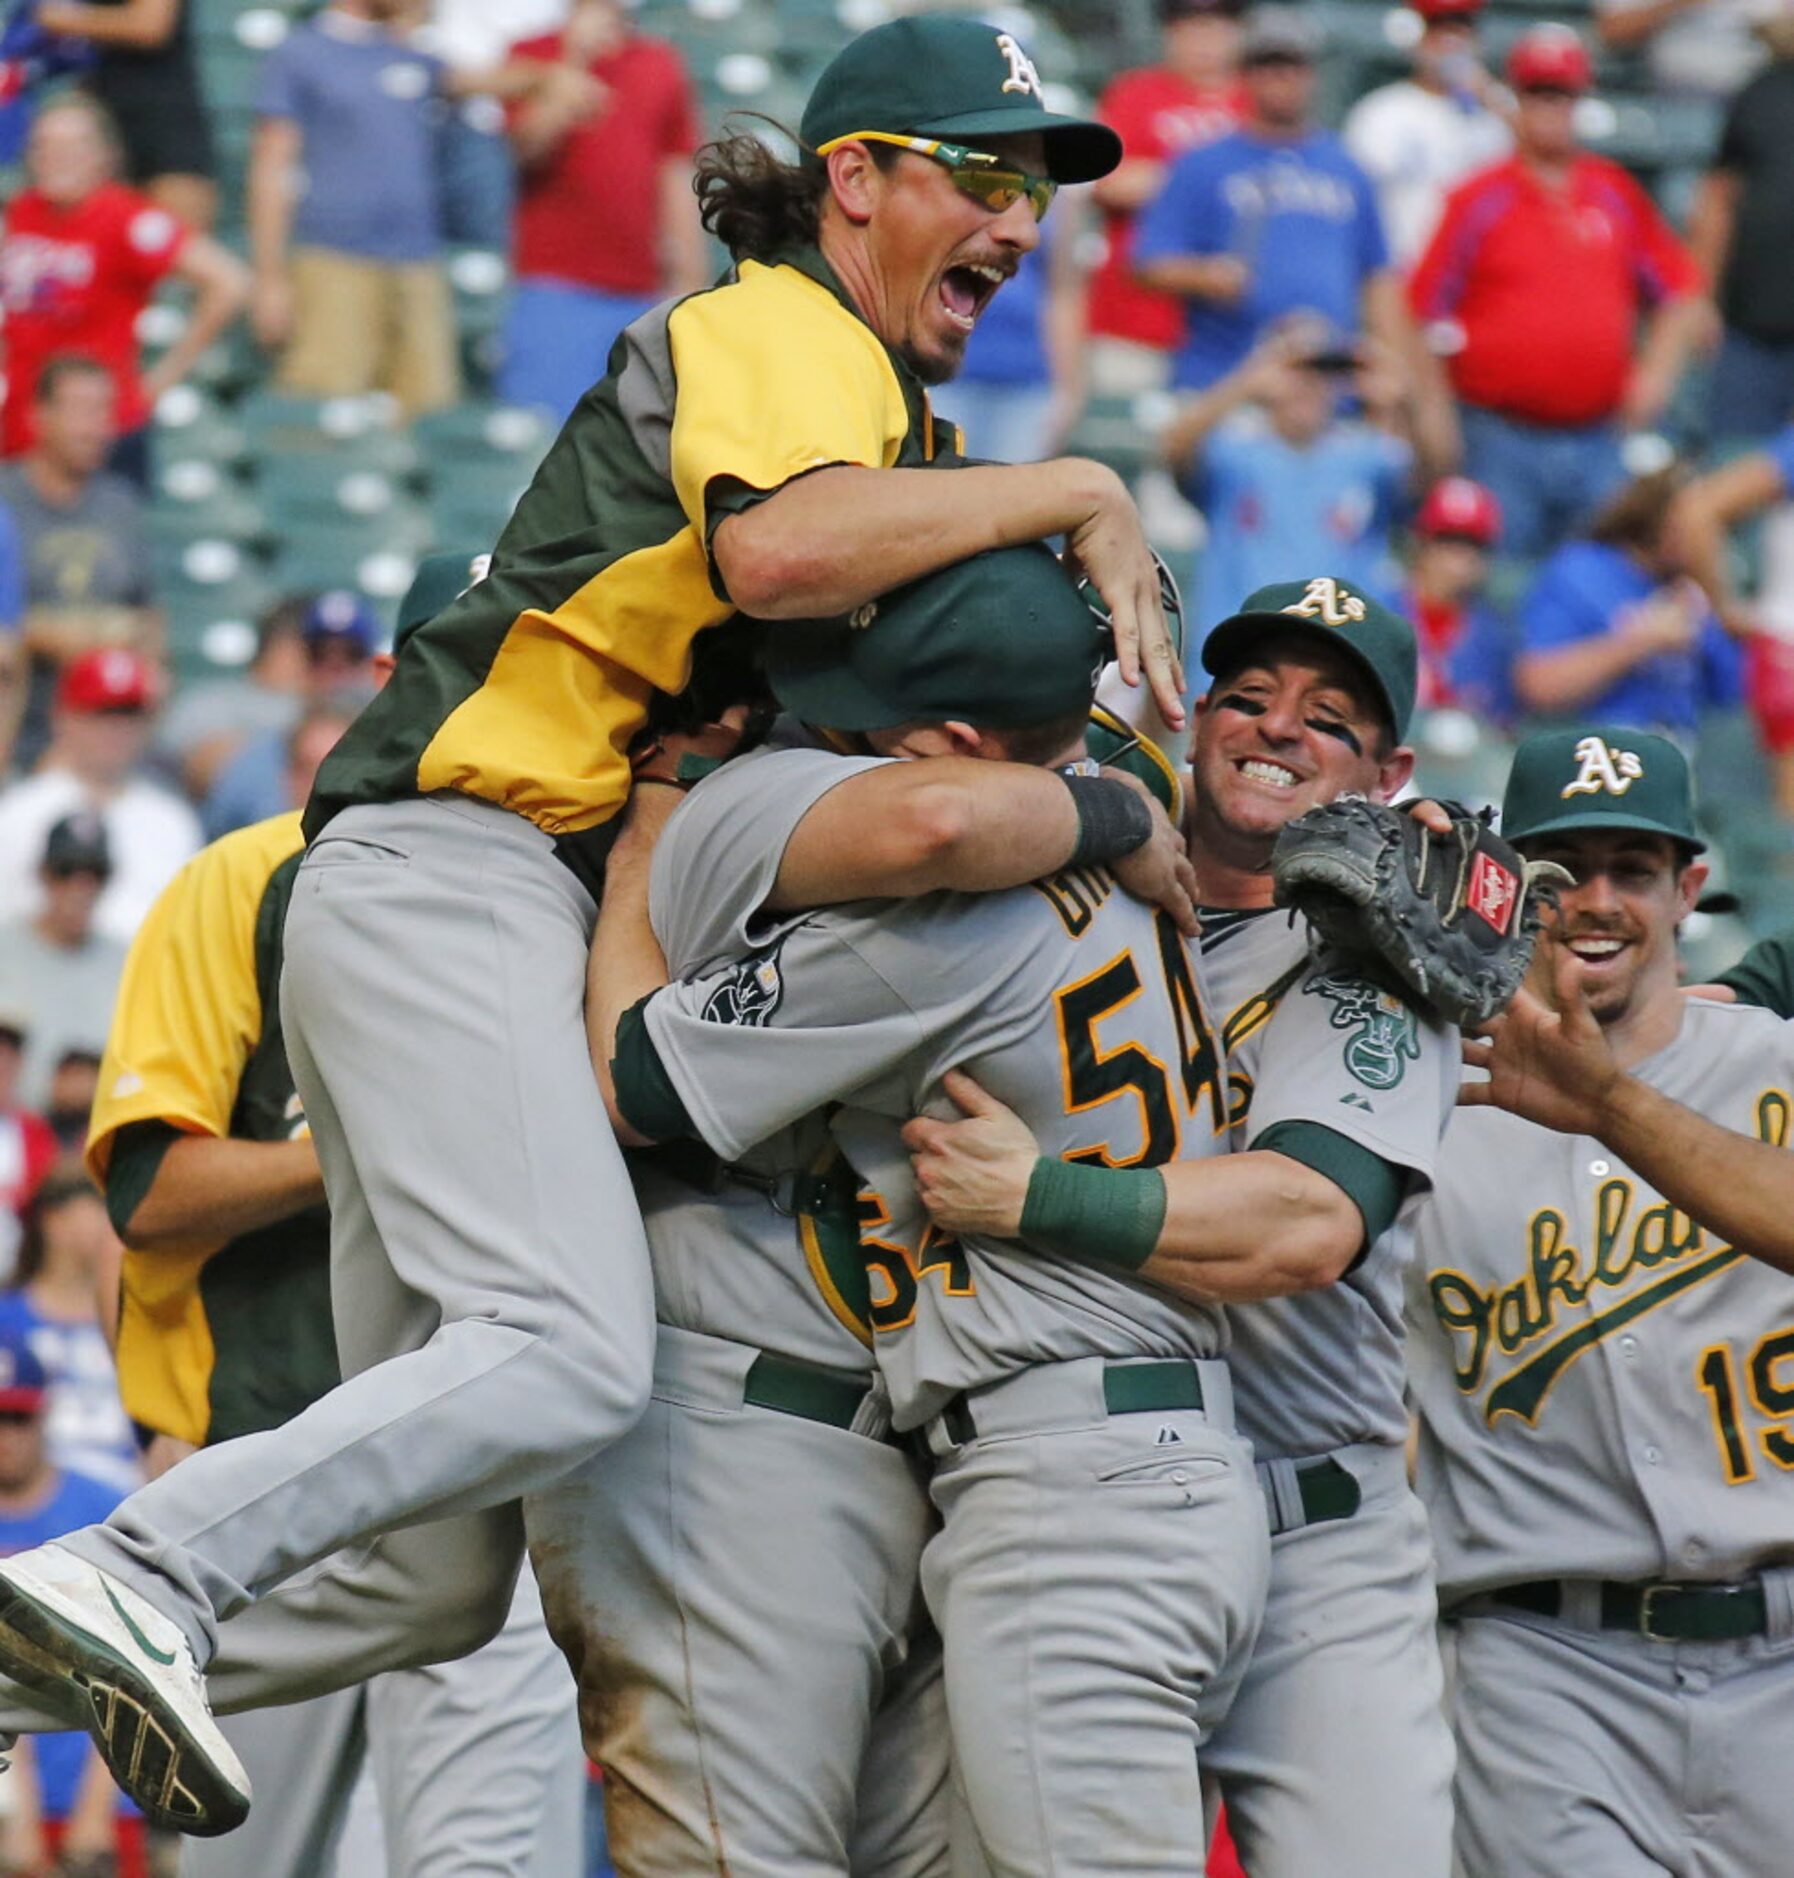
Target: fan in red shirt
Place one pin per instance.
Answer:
(1190, 97)
(80, 257)
(1533, 286)
(606, 221)
(27, 1145)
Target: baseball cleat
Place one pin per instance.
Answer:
(95, 1652)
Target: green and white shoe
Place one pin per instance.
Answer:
(106, 1660)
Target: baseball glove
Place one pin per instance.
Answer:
(1448, 920)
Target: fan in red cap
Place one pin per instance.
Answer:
(102, 718)
(1422, 135)
(1550, 58)
(111, 679)
(1463, 649)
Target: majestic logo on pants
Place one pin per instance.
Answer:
(1604, 770)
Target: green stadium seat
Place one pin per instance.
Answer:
(351, 552)
(196, 500)
(279, 423)
(485, 431)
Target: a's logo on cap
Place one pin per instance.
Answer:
(1604, 770)
(1022, 75)
(1326, 600)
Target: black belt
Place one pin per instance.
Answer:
(1128, 1388)
(1328, 1490)
(1665, 1613)
(809, 1391)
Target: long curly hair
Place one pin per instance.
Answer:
(760, 204)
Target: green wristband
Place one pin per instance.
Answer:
(1103, 1215)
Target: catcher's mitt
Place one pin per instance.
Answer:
(1449, 920)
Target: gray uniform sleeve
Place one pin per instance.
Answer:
(719, 856)
(754, 1046)
(1343, 1053)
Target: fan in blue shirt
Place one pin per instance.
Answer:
(39, 1502)
(1272, 220)
(1612, 628)
(1283, 478)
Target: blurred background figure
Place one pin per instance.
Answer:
(1272, 219)
(345, 217)
(1422, 135)
(27, 1146)
(74, 1082)
(69, 1261)
(146, 76)
(56, 972)
(1284, 476)
(1742, 233)
(1464, 647)
(607, 223)
(209, 721)
(1534, 286)
(1018, 394)
(73, 1819)
(89, 580)
(100, 731)
(80, 256)
(1704, 524)
(1614, 631)
(1701, 48)
(340, 633)
(1190, 97)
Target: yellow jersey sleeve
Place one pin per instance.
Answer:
(189, 1010)
(775, 378)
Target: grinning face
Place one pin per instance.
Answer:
(1633, 889)
(1290, 730)
(934, 256)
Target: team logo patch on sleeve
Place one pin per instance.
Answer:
(749, 995)
(1385, 1036)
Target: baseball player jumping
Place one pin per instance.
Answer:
(1335, 1756)
(754, 447)
(1601, 1370)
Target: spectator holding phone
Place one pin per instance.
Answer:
(1283, 476)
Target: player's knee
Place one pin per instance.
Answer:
(607, 1379)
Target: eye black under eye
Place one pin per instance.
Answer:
(1238, 701)
(1332, 727)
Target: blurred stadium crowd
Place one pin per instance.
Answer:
(1487, 305)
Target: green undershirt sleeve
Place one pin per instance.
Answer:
(1373, 1185)
(136, 1159)
(646, 1097)
(1765, 975)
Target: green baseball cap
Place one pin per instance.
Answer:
(999, 641)
(439, 582)
(1114, 743)
(1599, 776)
(1379, 640)
(941, 75)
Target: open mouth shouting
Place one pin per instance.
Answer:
(965, 290)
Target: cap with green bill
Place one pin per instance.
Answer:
(946, 76)
(1599, 776)
(1002, 641)
(1363, 628)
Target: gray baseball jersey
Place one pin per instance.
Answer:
(1309, 1042)
(1068, 1000)
(1606, 1390)
(727, 1262)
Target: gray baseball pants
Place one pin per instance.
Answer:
(1097, 1582)
(1336, 1755)
(476, 1765)
(737, 1588)
(490, 1277)
(1604, 1754)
